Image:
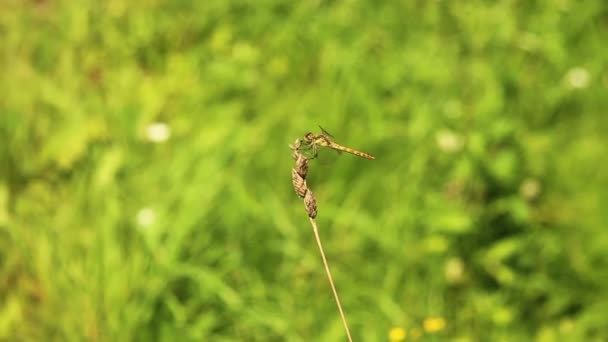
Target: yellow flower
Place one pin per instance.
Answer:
(434, 324)
(397, 334)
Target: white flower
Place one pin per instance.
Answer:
(578, 77)
(158, 132)
(448, 141)
(146, 217)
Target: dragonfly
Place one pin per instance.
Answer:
(325, 140)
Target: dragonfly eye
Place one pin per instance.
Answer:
(309, 136)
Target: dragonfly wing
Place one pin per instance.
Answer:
(326, 132)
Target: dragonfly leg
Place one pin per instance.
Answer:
(308, 148)
(315, 153)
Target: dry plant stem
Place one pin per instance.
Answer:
(331, 281)
(298, 179)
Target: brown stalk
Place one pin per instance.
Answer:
(298, 178)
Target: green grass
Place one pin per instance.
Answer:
(485, 206)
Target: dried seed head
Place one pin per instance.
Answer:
(301, 165)
(295, 147)
(298, 179)
(310, 202)
(299, 184)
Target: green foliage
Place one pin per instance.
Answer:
(145, 175)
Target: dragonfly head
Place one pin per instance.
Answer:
(309, 136)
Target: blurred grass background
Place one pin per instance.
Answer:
(145, 175)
